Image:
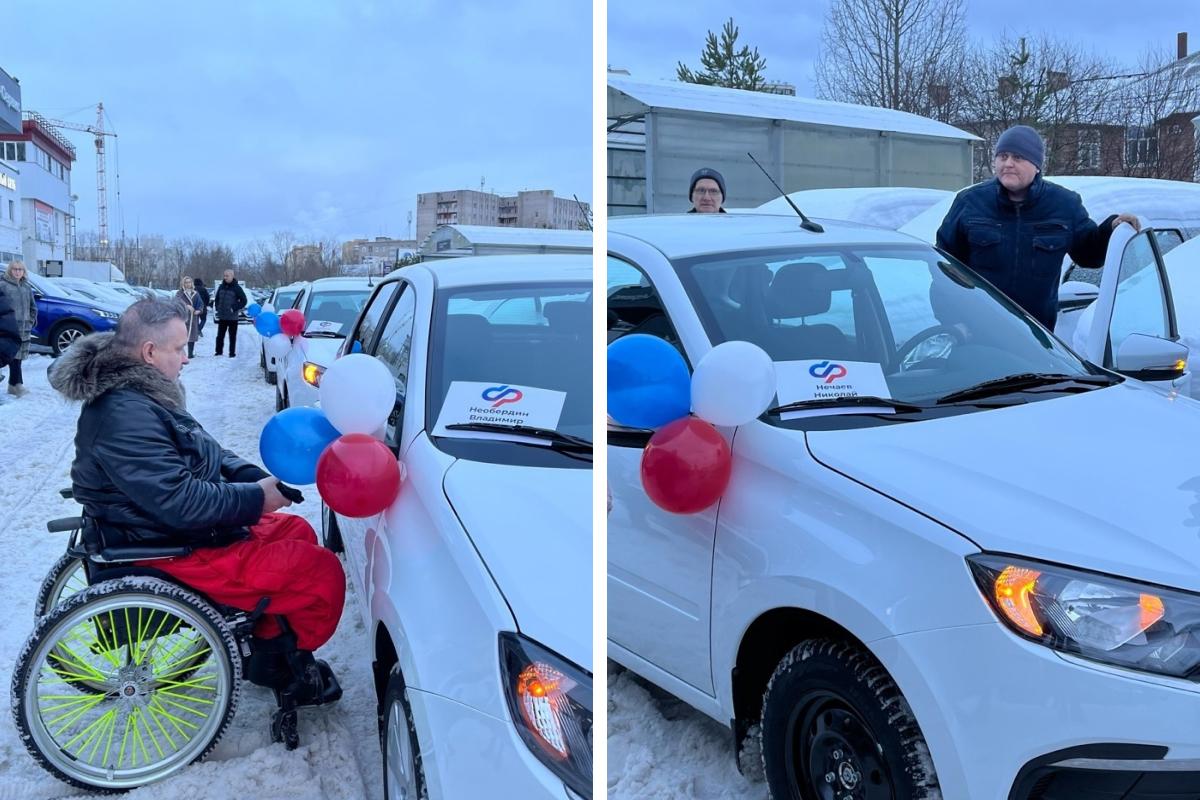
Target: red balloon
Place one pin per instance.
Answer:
(686, 466)
(291, 322)
(358, 476)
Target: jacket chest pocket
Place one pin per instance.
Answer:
(1050, 243)
(986, 250)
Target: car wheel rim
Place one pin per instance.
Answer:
(67, 338)
(833, 755)
(401, 766)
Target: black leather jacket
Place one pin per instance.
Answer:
(144, 469)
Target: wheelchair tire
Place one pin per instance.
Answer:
(113, 740)
(64, 579)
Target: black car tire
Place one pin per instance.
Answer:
(395, 698)
(834, 724)
(331, 534)
(64, 334)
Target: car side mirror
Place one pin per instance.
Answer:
(1150, 358)
(1074, 295)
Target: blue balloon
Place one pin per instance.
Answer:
(267, 324)
(357, 347)
(648, 382)
(292, 441)
(253, 310)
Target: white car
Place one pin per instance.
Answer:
(96, 291)
(948, 565)
(281, 299)
(330, 306)
(1136, 297)
(476, 585)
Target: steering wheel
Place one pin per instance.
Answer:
(920, 338)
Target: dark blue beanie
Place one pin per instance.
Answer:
(1023, 141)
(707, 172)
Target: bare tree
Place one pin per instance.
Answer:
(901, 54)
(1052, 85)
(1155, 109)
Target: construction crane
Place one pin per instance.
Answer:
(98, 131)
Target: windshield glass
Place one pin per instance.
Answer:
(50, 288)
(284, 299)
(913, 324)
(533, 337)
(339, 306)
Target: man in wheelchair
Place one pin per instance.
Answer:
(150, 477)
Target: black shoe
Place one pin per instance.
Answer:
(218, 353)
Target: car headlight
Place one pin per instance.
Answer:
(105, 314)
(1120, 622)
(550, 700)
(312, 373)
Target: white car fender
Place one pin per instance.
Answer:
(783, 502)
(435, 597)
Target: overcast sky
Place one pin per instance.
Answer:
(323, 117)
(648, 38)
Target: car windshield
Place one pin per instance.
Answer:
(284, 299)
(50, 288)
(534, 337)
(340, 306)
(914, 325)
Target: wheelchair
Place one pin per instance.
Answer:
(129, 676)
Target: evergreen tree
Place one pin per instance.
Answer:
(724, 65)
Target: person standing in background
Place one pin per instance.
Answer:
(19, 291)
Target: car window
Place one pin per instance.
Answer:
(1139, 305)
(548, 348)
(284, 300)
(369, 325)
(634, 305)
(927, 321)
(297, 303)
(1167, 240)
(395, 350)
(340, 306)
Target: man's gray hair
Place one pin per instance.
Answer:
(145, 321)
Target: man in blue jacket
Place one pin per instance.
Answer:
(1015, 229)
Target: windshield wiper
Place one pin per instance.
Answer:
(564, 441)
(859, 401)
(1021, 382)
(323, 335)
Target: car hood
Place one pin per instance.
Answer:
(532, 527)
(1105, 480)
(321, 350)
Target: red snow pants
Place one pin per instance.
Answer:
(281, 560)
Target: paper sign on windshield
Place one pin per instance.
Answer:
(498, 403)
(323, 326)
(828, 380)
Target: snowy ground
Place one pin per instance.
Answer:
(660, 747)
(338, 756)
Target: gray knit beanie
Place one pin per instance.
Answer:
(1023, 141)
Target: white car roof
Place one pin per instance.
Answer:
(529, 268)
(683, 235)
(885, 206)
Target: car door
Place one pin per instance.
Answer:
(1135, 298)
(363, 339)
(659, 564)
(392, 346)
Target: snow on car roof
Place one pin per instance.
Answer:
(683, 235)
(487, 234)
(884, 206)
(743, 103)
(524, 268)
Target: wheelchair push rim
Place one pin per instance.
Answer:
(152, 710)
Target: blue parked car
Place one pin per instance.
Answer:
(64, 316)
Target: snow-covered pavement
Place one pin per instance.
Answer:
(660, 748)
(338, 756)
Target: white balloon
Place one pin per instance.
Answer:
(357, 393)
(278, 346)
(733, 384)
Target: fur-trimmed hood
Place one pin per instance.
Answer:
(91, 366)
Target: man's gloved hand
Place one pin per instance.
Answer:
(290, 492)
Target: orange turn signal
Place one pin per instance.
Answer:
(1013, 589)
(312, 373)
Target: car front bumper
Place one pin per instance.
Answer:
(1006, 719)
(468, 754)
